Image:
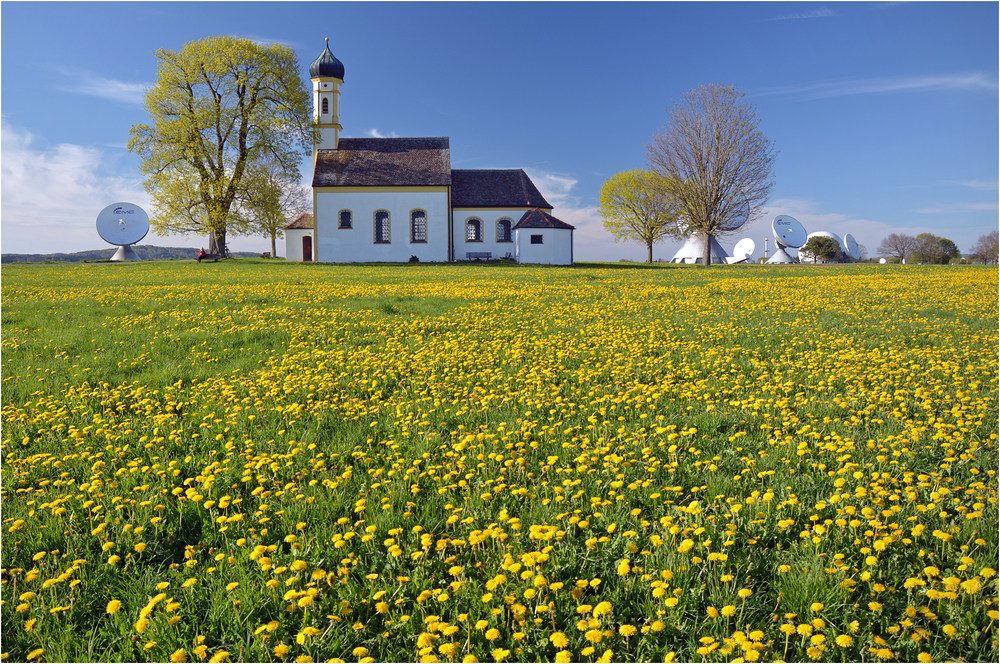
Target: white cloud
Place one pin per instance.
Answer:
(375, 133)
(93, 85)
(956, 82)
(977, 184)
(818, 13)
(51, 196)
(959, 207)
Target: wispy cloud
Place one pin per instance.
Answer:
(956, 82)
(375, 133)
(977, 184)
(816, 13)
(94, 85)
(51, 196)
(959, 207)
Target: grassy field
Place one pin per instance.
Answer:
(278, 462)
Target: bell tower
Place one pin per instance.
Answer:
(327, 75)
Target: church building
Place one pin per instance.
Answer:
(391, 199)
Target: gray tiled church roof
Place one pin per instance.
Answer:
(539, 219)
(373, 162)
(494, 188)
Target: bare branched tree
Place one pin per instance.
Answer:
(986, 248)
(715, 161)
(897, 245)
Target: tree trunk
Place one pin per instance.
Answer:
(707, 253)
(217, 243)
(274, 253)
(649, 252)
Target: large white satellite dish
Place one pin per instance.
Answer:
(853, 250)
(123, 224)
(743, 251)
(788, 232)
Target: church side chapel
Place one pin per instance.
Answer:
(390, 199)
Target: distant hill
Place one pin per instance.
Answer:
(145, 252)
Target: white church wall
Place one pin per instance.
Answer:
(489, 243)
(357, 244)
(556, 247)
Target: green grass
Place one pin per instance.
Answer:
(820, 436)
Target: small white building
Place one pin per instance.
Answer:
(393, 199)
(299, 239)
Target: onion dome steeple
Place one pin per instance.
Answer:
(326, 65)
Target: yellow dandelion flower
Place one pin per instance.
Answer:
(492, 634)
(35, 654)
(627, 630)
(844, 640)
(744, 593)
(559, 640)
(178, 655)
(113, 607)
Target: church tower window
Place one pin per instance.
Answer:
(474, 230)
(326, 106)
(418, 226)
(382, 227)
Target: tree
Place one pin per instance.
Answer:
(272, 201)
(935, 250)
(897, 245)
(219, 107)
(715, 161)
(986, 248)
(822, 247)
(635, 205)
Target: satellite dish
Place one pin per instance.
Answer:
(882, 261)
(788, 232)
(737, 217)
(744, 249)
(853, 250)
(123, 224)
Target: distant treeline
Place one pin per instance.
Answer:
(145, 252)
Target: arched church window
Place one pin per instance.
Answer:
(474, 230)
(382, 227)
(326, 106)
(418, 226)
(345, 219)
(504, 227)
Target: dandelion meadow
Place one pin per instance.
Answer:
(251, 461)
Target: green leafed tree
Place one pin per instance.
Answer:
(636, 206)
(935, 250)
(823, 248)
(715, 161)
(272, 201)
(220, 108)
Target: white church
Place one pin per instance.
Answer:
(389, 199)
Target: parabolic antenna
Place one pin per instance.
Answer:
(853, 250)
(737, 217)
(744, 249)
(882, 261)
(788, 232)
(123, 224)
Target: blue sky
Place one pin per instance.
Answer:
(884, 115)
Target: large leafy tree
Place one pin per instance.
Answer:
(933, 249)
(822, 248)
(636, 206)
(715, 162)
(219, 107)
